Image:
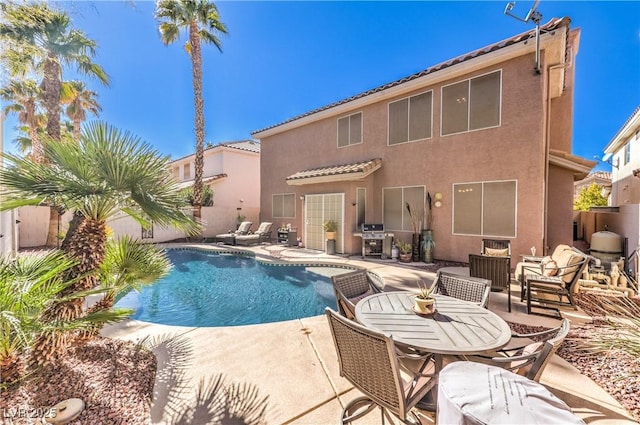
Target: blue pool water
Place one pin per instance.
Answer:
(212, 289)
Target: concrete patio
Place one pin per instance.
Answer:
(289, 370)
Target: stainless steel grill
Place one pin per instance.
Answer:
(375, 241)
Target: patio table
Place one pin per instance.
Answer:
(457, 328)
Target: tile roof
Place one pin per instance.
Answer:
(552, 25)
(245, 145)
(205, 180)
(358, 170)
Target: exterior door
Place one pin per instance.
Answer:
(318, 209)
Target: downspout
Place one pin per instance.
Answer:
(547, 143)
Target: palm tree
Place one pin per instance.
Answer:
(108, 172)
(24, 97)
(202, 21)
(79, 101)
(28, 286)
(41, 40)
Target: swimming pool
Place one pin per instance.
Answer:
(213, 289)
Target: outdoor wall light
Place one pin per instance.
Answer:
(302, 197)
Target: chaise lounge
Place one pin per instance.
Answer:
(263, 234)
(230, 237)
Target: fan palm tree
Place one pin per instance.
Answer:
(106, 173)
(28, 286)
(23, 97)
(79, 101)
(128, 265)
(201, 20)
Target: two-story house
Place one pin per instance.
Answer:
(487, 135)
(623, 153)
(232, 171)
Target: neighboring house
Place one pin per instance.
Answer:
(232, 170)
(601, 178)
(623, 152)
(488, 133)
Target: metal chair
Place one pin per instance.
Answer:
(496, 244)
(496, 269)
(473, 289)
(530, 356)
(371, 362)
(351, 287)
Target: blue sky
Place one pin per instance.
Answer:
(282, 59)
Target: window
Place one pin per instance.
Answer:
(472, 104)
(350, 130)
(284, 205)
(176, 173)
(627, 153)
(361, 197)
(186, 171)
(485, 208)
(410, 118)
(394, 207)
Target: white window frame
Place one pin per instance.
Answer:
(408, 99)
(627, 152)
(186, 171)
(482, 212)
(468, 130)
(348, 118)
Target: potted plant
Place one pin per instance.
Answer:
(424, 303)
(404, 251)
(330, 229)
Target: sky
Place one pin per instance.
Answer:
(282, 59)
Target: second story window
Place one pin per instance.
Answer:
(472, 104)
(186, 171)
(350, 130)
(627, 152)
(410, 118)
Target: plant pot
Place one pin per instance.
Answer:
(404, 258)
(415, 247)
(330, 235)
(424, 305)
(427, 246)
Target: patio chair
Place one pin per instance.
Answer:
(496, 269)
(263, 234)
(352, 287)
(528, 354)
(229, 237)
(496, 247)
(548, 288)
(472, 289)
(389, 379)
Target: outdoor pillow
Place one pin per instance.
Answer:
(494, 252)
(549, 266)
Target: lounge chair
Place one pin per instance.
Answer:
(230, 237)
(263, 234)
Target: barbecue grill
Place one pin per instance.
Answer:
(375, 241)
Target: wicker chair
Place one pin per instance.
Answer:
(370, 361)
(352, 287)
(473, 289)
(528, 354)
(557, 290)
(496, 269)
(496, 244)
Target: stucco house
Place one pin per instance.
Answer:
(488, 133)
(623, 153)
(232, 170)
(601, 178)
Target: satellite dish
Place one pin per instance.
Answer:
(534, 16)
(607, 157)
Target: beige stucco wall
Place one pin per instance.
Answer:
(512, 151)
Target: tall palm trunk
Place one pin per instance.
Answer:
(76, 129)
(88, 246)
(196, 68)
(51, 90)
